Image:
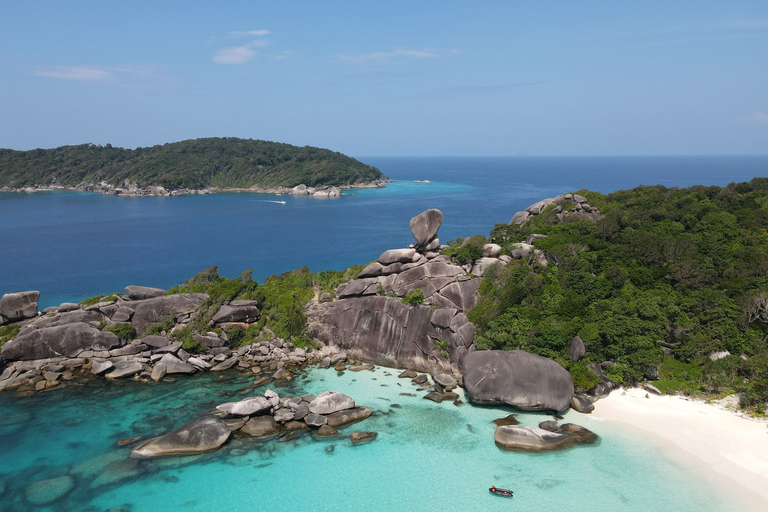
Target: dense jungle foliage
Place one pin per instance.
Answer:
(194, 164)
(684, 267)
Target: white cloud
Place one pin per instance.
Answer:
(754, 118)
(234, 55)
(249, 33)
(398, 54)
(80, 73)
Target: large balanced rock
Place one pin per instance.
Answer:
(18, 306)
(197, 436)
(329, 402)
(59, 341)
(143, 292)
(517, 378)
(151, 311)
(424, 226)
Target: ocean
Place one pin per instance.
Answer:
(426, 457)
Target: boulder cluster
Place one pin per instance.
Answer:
(565, 206)
(50, 349)
(303, 190)
(369, 320)
(261, 417)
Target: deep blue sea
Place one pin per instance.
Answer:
(427, 456)
(72, 245)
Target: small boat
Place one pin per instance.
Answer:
(505, 493)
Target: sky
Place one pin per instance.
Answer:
(390, 78)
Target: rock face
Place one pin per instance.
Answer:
(517, 378)
(59, 341)
(143, 292)
(197, 436)
(424, 226)
(151, 311)
(245, 407)
(247, 313)
(18, 306)
(568, 205)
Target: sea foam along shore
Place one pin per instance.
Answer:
(726, 449)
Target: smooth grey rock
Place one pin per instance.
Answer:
(159, 371)
(18, 306)
(315, 420)
(372, 270)
(348, 416)
(517, 378)
(143, 292)
(65, 307)
(549, 425)
(232, 313)
(155, 341)
(325, 297)
(123, 314)
(362, 437)
(172, 348)
(491, 250)
(652, 389)
(98, 366)
(197, 436)
(196, 361)
(48, 491)
(67, 340)
(245, 407)
(329, 402)
(425, 225)
(151, 311)
(581, 403)
(125, 369)
(225, 365)
(516, 437)
(175, 365)
(283, 415)
(446, 381)
(397, 256)
(261, 427)
(520, 218)
(577, 349)
(579, 199)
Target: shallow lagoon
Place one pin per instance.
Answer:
(427, 456)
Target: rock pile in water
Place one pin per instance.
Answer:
(565, 206)
(261, 417)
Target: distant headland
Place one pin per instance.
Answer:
(192, 166)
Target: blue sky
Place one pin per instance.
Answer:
(391, 78)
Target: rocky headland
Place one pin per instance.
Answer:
(405, 310)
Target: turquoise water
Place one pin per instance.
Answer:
(427, 456)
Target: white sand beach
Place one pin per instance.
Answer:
(728, 450)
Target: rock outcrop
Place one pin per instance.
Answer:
(18, 306)
(67, 340)
(151, 311)
(143, 292)
(198, 436)
(517, 378)
(516, 437)
(567, 205)
(368, 319)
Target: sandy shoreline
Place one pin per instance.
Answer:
(729, 451)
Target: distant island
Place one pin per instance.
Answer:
(209, 164)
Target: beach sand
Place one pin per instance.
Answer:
(728, 450)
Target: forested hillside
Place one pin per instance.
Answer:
(665, 279)
(195, 164)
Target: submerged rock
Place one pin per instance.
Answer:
(47, 491)
(342, 418)
(538, 439)
(362, 437)
(197, 436)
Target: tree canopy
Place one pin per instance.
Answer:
(194, 164)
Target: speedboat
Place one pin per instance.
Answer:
(504, 493)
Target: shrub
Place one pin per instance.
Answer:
(414, 297)
(7, 333)
(164, 326)
(583, 379)
(123, 331)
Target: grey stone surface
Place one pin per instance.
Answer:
(577, 349)
(348, 416)
(581, 403)
(329, 402)
(100, 366)
(175, 365)
(151, 311)
(143, 292)
(425, 225)
(233, 313)
(397, 256)
(261, 426)
(125, 369)
(247, 407)
(18, 306)
(315, 420)
(65, 340)
(197, 436)
(517, 378)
